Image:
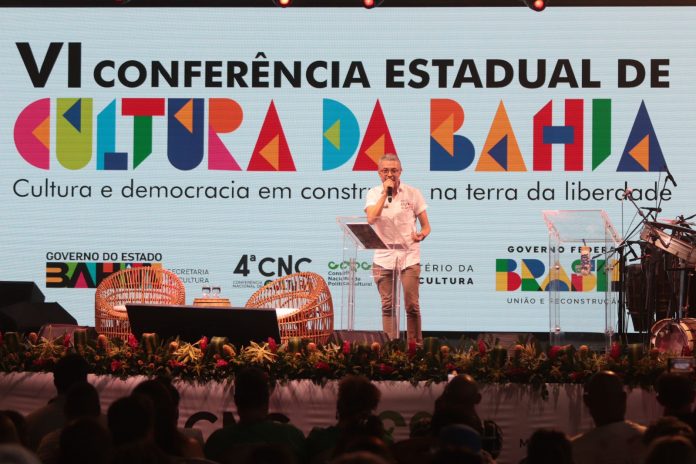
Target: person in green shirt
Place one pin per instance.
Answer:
(234, 442)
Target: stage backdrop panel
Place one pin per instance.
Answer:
(517, 409)
(197, 140)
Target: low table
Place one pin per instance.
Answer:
(214, 302)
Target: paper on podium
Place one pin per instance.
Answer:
(381, 235)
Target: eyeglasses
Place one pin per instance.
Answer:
(390, 171)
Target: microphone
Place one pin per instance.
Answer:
(627, 193)
(651, 209)
(585, 264)
(669, 176)
(390, 191)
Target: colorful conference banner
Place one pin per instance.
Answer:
(197, 141)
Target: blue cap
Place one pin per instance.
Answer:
(461, 435)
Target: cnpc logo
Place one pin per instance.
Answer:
(344, 265)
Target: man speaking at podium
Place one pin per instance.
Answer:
(402, 204)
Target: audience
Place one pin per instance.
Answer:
(140, 452)
(189, 432)
(356, 403)
(85, 441)
(235, 442)
(676, 393)
(166, 433)
(614, 439)
(668, 426)
(20, 424)
(671, 450)
(142, 427)
(131, 419)
(68, 371)
(459, 443)
(366, 436)
(82, 400)
(547, 446)
(359, 457)
(456, 406)
(8, 431)
(12, 453)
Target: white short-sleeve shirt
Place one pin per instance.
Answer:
(403, 211)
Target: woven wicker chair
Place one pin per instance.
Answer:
(308, 304)
(134, 285)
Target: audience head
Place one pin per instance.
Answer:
(85, 441)
(267, 453)
(131, 419)
(167, 436)
(162, 401)
(69, 370)
(420, 427)
(366, 434)
(675, 392)
(251, 394)
(8, 431)
(140, 452)
(605, 397)
(668, 426)
(460, 436)
(462, 390)
(446, 414)
(666, 450)
(456, 456)
(20, 424)
(12, 453)
(359, 457)
(173, 392)
(457, 405)
(458, 443)
(357, 398)
(82, 400)
(549, 447)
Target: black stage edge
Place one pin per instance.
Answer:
(28, 317)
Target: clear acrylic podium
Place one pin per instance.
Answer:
(360, 236)
(590, 228)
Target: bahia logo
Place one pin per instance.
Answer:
(84, 274)
(501, 153)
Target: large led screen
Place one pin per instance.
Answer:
(223, 144)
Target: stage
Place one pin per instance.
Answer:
(518, 409)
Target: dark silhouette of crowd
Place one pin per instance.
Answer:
(142, 427)
(615, 440)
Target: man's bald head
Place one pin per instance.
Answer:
(605, 397)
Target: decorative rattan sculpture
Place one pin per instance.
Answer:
(308, 303)
(134, 285)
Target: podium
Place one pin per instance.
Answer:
(591, 228)
(360, 236)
